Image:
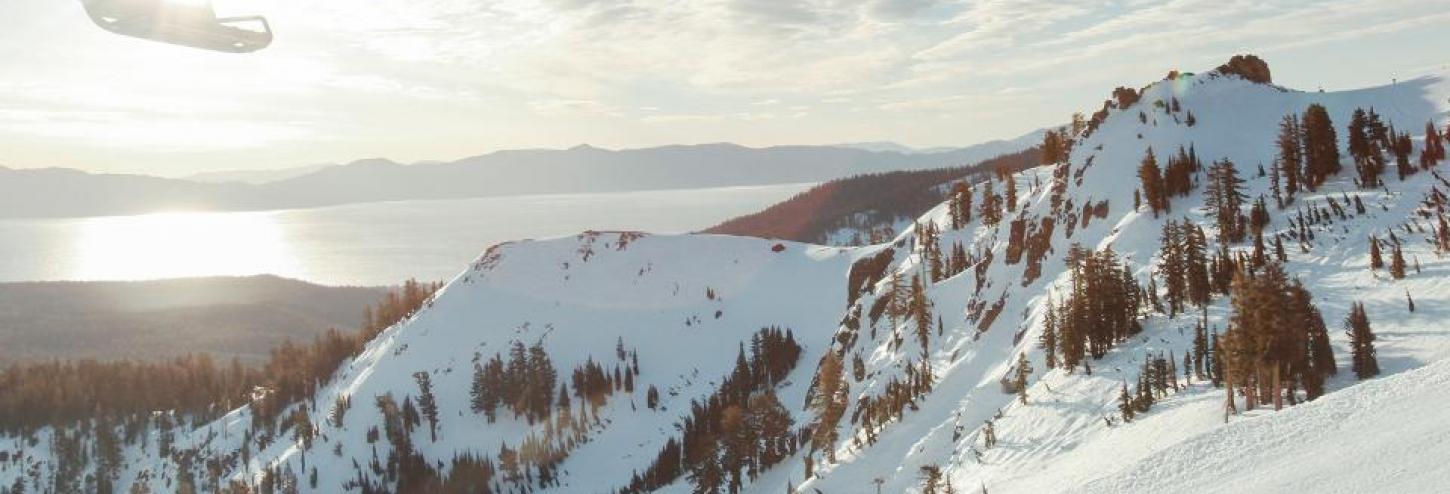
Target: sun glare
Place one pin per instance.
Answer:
(170, 245)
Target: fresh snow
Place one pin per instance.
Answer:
(578, 294)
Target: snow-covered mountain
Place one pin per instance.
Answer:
(688, 306)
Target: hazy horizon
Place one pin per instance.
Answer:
(437, 80)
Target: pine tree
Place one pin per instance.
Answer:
(1173, 267)
(1151, 177)
(427, 404)
(931, 478)
(1125, 404)
(1053, 147)
(1195, 260)
(1434, 151)
(920, 309)
(1023, 370)
(1200, 349)
(1320, 144)
(1048, 340)
(1403, 148)
(1224, 198)
(829, 403)
(1365, 152)
(1375, 259)
(1290, 155)
(706, 475)
(1361, 343)
(1310, 355)
(1397, 262)
(1011, 192)
(991, 208)
(1276, 185)
(959, 208)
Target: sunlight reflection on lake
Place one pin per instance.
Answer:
(358, 244)
(176, 245)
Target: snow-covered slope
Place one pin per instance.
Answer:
(687, 303)
(1060, 441)
(1385, 435)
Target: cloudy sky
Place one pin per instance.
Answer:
(444, 79)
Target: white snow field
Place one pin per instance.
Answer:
(1385, 435)
(577, 295)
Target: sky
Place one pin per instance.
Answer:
(419, 80)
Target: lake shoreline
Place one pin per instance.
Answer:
(367, 244)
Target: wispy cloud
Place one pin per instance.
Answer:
(370, 78)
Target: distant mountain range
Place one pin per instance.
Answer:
(255, 177)
(55, 192)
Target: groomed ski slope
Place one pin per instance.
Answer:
(1385, 435)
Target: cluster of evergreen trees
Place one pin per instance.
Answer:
(1308, 152)
(1153, 192)
(875, 411)
(1434, 151)
(990, 209)
(524, 384)
(1370, 138)
(739, 431)
(1100, 310)
(1156, 379)
(1184, 266)
(1397, 256)
(963, 195)
(1276, 341)
(1160, 185)
(959, 205)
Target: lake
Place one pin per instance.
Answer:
(357, 244)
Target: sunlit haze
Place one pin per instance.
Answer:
(443, 79)
(177, 245)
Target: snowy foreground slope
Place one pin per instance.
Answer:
(686, 304)
(1386, 435)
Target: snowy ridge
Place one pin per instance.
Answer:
(1064, 425)
(686, 303)
(578, 295)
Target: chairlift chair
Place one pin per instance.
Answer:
(181, 22)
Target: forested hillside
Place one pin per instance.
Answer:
(865, 209)
(159, 320)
